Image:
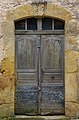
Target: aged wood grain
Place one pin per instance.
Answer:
(52, 83)
(26, 92)
(39, 74)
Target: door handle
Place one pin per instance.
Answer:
(52, 77)
(42, 70)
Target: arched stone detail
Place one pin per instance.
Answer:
(28, 10)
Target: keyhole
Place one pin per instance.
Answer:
(52, 77)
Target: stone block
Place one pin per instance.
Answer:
(7, 66)
(71, 87)
(72, 27)
(6, 90)
(72, 109)
(70, 42)
(7, 110)
(71, 58)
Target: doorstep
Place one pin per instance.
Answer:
(42, 118)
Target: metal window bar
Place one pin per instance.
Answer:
(52, 24)
(26, 24)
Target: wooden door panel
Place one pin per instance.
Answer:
(52, 85)
(26, 99)
(26, 76)
(52, 78)
(52, 99)
(52, 47)
(26, 91)
(26, 51)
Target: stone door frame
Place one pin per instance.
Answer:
(31, 10)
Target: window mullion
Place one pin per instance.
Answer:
(39, 24)
(52, 24)
(26, 24)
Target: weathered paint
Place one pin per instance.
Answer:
(38, 88)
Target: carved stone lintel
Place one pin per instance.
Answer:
(39, 8)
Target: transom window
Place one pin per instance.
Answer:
(39, 24)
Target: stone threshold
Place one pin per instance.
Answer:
(20, 117)
(44, 118)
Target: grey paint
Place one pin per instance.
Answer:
(39, 74)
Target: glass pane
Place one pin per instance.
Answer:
(20, 25)
(58, 25)
(47, 24)
(31, 24)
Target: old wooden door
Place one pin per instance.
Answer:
(39, 74)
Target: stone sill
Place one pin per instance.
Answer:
(42, 118)
(20, 117)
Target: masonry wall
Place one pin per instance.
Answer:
(11, 10)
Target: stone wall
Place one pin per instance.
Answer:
(11, 10)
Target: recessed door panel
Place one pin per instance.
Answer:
(26, 91)
(39, 75)
(52, 85)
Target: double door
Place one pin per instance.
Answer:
(39, 88)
